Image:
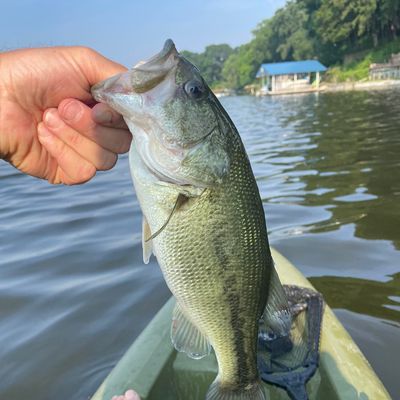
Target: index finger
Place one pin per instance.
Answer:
(79, 117)
(104, 115)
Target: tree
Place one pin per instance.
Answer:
(211, 61)
(388, 18)
(326, 29)
(344, 22)
(239, 68)
(289, 26)
(283, 37)
(263, 42)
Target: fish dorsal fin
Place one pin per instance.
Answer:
(277, 318)
(147, 244)
(186, 337)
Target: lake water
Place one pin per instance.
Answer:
(74, 292)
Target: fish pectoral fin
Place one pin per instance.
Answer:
(186, 337)
(178, 202)
(277, 317)
(147, 243)
(147, 236)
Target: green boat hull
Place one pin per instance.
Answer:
(156, 371)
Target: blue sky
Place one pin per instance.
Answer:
(130, 30)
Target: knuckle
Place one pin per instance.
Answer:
(75, 139)
(72, 111)
(86, 50)
(61, 153)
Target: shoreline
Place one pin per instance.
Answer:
(359, 85)
(325, 87)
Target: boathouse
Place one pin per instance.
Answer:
(290, 77)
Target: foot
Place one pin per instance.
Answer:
(129, 395)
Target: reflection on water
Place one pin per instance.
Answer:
(74, 292)
(368, 297)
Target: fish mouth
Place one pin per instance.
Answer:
(161, 57)
(146, 76)
(117, 84)
(141, 78)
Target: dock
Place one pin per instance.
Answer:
(290, 77)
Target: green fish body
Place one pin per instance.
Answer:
(203, 216)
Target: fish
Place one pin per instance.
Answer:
(203, 217)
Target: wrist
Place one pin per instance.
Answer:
(3, 107)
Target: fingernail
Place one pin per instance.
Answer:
(51, 119)
(131, 395)
(71, 110)
(104, 117)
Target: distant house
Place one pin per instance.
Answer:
(290, 76)
(390, 70)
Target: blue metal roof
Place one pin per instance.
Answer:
(290, 67)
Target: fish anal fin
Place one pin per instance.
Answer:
(186, 337)
(147, 244)
(277, 317)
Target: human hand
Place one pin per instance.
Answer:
(129, 395)
(47, 128)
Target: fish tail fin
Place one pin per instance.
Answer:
(253, 391)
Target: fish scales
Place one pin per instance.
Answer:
(203, 210)
(214, 256)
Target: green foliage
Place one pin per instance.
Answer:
(342, 22)
(283, 37)
(359, 70)
(240, 67)
(289, 26)
(306, 29)
(211, 61)
(353, 72)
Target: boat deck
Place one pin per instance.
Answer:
(156, 371)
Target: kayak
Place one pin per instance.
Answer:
(156, 371)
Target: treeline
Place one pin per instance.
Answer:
(302, 29)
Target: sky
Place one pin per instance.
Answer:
(129, 30)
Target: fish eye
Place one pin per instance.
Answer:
(194, 88)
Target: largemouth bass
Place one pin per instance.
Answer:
(203, 216)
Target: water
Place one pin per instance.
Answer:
(74, 292)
